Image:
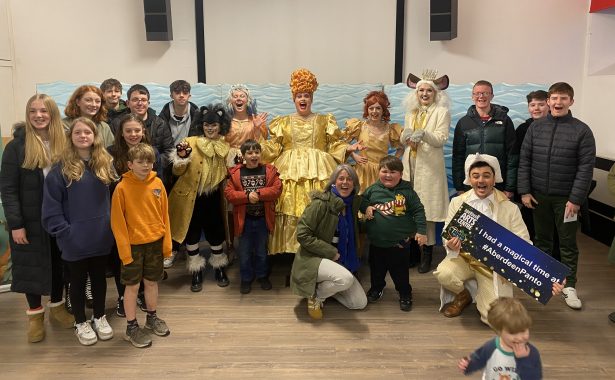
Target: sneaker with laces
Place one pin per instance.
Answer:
(89, 298)
(157, 325)
(374, 295)
(85, 334)
(102, 328)
(571, 298)
(138, 337)
(119, 309)
(67, 304)
(168, 261)
(314, 307)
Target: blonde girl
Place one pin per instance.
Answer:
(76, 210)
(37, 265)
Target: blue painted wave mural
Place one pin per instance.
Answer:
(345, 101)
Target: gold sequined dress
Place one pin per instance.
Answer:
(377, 143)
(305, 152)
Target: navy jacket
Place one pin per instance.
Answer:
(557, 158)
(79, 216)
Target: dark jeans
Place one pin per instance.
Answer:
(57, 279)
(393, 260)
(253, 249)
(96, 267)
(549, 215)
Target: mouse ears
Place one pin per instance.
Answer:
(428, 75)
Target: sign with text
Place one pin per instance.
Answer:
(506, 254)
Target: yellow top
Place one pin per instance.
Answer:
(377, 143)
(200, 173)
(305, 151)
(140, 214)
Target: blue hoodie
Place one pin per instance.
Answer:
(79, 216)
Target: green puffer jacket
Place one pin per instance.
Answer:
(315, 232)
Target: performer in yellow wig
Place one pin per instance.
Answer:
(305, 147)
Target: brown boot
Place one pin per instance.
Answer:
(58, 313)
(460, 302)
(36, 325)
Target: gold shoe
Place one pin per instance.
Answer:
(314, 307)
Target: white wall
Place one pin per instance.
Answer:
(520, 41)
(83, 41)
(599, 82)
(342, 41)
(7, 98)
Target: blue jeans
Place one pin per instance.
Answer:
(253, 249)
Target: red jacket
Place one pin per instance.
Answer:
(235, 194)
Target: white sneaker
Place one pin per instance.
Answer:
(168, 261)
(85, 334)
(571, 298)
(102, 328)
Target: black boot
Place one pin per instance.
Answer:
(195, 265)
(221, 278)
(425, 265)
(197, 281)
(219, 261)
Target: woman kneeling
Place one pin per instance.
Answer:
(327, 234)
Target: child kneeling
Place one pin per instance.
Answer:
(394, 215)
(140, 223)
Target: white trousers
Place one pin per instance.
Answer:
(336, 281)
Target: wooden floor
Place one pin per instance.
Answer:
(222, 334)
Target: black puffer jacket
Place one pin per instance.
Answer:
(496, 138)
(22, 199)
(557, 158)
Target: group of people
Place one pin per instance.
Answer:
(95, 182)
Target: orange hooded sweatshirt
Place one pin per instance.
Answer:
(139, 214)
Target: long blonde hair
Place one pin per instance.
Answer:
(100, 161)
(36, 153)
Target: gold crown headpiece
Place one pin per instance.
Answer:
(428, 75)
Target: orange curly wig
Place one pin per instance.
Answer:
(302, 80)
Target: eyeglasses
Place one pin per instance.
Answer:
(139, 100)
(479, 94)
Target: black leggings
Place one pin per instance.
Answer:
(116, 267)
(96, 267)
(207, 218)
(57, 278)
